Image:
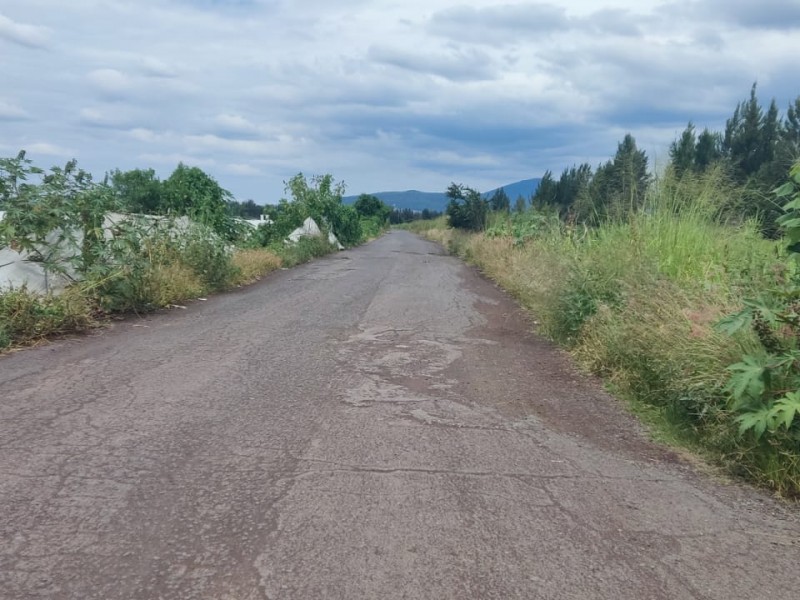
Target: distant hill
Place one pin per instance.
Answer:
(416, 200)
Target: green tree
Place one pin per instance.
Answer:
(683, 151)
(500, 201)
(321, 199)
(547, 191)
(708, 150)
(192, 192)
(138, 191)
(520, 205)
(370, 206)
(747, 143)
(630, 177)
(245, 210)
(466, 208)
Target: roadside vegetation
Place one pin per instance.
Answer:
(681, 290)
(133, 243)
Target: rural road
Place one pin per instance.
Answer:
(377, 424)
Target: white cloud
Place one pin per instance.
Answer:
(110, 81)
(243, 169)
(12, 112)
(48, 149)
(30, 36)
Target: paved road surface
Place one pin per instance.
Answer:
(377, 424)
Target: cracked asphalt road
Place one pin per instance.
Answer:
(376, 424)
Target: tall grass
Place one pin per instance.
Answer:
(252, 264)
(636, 301)
(27, 317)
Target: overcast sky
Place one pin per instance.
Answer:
(386, 95)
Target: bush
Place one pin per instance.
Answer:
(346, 225)
(207, 255)
(372, 227)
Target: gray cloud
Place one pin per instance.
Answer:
(525, 22)
(512, 23)
(453, 64)
(764, 14)
(383, 95)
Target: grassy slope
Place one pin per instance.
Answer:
(636, 302)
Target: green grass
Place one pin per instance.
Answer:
(636, 301)
(306, 249)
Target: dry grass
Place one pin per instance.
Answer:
(251, 265)
(27, 317)
(636, 303)
(172, 283)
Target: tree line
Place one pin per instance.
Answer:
(756, 149)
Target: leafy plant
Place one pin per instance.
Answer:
(765, 388)
(57, 221)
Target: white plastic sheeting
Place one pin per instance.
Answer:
(311, 229)
(17, 268)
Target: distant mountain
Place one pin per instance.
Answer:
(413, 199)
(416, 200)
(525, 188)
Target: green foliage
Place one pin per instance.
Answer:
(764, 388)
(466, 208)
(306, 249)
(244, 210)
(321, 199)
(524, 226)
(191, 192)
(683, 151)
(499, 202)
(345, 222)
(369, 206)
(407, 215)
(614, 189)
(150, 262)
(57, 220)
(138, 191)
(285, 217)
(372, 227)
